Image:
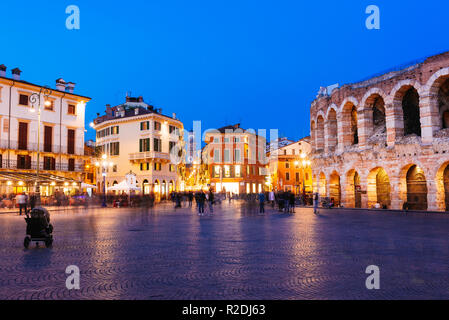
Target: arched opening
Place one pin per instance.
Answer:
(335, 188)
(357, 191)
(354, 129)
(146, 187)
(446, 187)
(379, 120)
(322, 188)
(353, 194)
(320, 133)
(379, 188)
(416, 189)
(443, 104)
(411, 114)
(349, 123)
(171, 186)
(332, 130)
(313, 134)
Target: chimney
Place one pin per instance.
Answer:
(70, 87)
(159, 110)
(108, 110)
(60, 84)
(16, 73)
(140, 99)
(2, 70)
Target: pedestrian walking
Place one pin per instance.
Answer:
(291, 200)
(271, 198)
(201, 200)
(190, 196)
(178, 200)
(315, 203)
(21, 199)
(287, 202)
(261, 203)
(211, 201)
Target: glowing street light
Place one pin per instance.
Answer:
(104, 164)
(35, 103)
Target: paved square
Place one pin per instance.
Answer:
(234, 254)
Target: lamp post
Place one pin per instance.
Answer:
(305, 164)
(35, 102)
(104, 164)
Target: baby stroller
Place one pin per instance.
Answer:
(39, 228)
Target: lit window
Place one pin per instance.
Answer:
(237, 171)
(217, 171)
(227, 171)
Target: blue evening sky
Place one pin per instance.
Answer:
(256, 62)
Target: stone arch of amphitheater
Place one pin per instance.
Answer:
(385, 140)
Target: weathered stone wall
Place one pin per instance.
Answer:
(400, 129)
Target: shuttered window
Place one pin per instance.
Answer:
(23, 162)
(72, 164)
(157, 145)
(48, 138)
(23, 100)
(49, 163)
(157, 126)
(144, 145)
(145, 125)
(23, 136)
(71, 141)
(71, 109)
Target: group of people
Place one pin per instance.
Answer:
(23, 200)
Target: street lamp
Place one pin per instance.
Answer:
(104, 164)
(305, 164)
(35, 102)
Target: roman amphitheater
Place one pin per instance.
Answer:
(385, 140)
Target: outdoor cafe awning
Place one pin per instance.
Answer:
(31, 177)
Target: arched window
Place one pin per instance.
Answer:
(443, 104)
(320, 133)
(416, 189)
(379, 120)
(410, 108)
(332, 130)
(354, 129)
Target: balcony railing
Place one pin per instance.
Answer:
(14, 164)
(50, 148)
(147, 156)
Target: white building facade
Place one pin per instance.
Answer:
(137, 138)
(61, 135)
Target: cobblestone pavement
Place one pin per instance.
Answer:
(234, 254)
